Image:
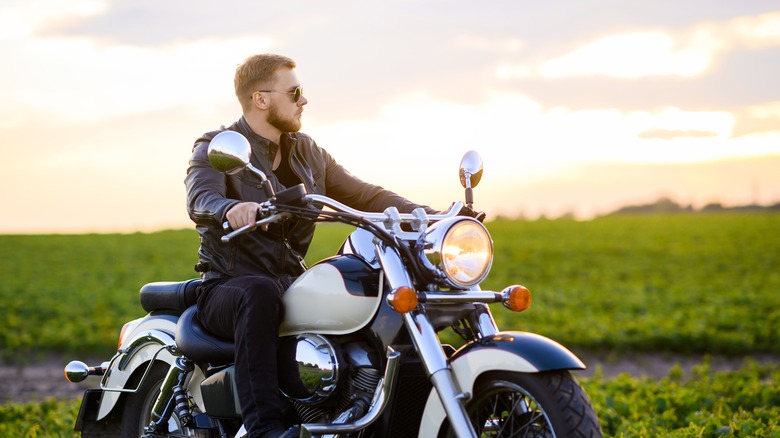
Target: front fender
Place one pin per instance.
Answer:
(145, 343)
(505, 351)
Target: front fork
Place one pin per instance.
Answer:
(428, 346)
(172, 398)
(435, 361)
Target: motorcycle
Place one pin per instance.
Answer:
(359, 348)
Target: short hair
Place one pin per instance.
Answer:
(255, 71)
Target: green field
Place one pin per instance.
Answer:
(690, 284)
(742, 403)
(687, 283)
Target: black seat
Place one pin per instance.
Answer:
(175, 296)
(198, 345)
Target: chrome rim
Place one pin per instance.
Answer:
(507, 410)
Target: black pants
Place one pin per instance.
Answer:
(248, 310)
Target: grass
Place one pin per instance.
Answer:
(688, 283)
(73, 292)
(742, 403)
(695, 284)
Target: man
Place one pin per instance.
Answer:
(240, 298)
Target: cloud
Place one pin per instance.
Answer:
(22, 19)
(718, 123)
(767, 111)
(123, 88)
(635, 55)
(78, 79)
(525, 141)
(487, 44)
(88, 79)
(756, 32)
(632, 55)
(757, 118)
(594, 189)
(668, 134)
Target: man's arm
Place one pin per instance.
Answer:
(207, 203)
(345, 187)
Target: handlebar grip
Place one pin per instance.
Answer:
(226, 238)
(265, 221)
(260, 212)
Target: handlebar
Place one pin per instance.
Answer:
(389, 217)
(381, 217)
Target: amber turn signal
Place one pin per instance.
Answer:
(403, 299)
(517, 298)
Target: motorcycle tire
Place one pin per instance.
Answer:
(550, 404)
(137, 410)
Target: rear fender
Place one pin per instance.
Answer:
(145, 344)
(505, 351)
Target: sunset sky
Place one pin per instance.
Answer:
(576, 106)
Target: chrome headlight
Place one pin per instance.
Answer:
(458, 250)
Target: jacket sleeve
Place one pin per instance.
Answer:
(345, 187)
(207, 203)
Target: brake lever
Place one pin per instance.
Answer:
(265, 221)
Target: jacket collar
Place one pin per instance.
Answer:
(243, 127)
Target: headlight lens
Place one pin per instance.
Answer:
(459, 250)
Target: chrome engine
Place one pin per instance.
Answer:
(318, 370)
(333, 382)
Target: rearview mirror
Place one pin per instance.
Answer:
(471, 169)
(229, 152)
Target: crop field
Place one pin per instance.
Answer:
(686, 284)
(702, 283)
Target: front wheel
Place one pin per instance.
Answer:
(551, 404)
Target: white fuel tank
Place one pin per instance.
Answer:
(337, 296)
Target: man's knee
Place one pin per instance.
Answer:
(261, 289)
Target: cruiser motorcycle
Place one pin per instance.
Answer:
(360, 354)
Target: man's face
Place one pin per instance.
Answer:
(284, 113)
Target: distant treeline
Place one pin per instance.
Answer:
(667, 205)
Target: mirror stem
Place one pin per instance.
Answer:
(269, 191)
(469, 191)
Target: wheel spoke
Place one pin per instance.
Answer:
(508, 404)
(508, 413)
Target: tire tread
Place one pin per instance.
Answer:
(580, 417)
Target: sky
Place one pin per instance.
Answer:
(576, 107)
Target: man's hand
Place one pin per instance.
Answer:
(243, 213)
(478, 215)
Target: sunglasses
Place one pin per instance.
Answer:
(296, 93)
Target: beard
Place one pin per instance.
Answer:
(278, 121)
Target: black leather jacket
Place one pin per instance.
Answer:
(280, 250)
